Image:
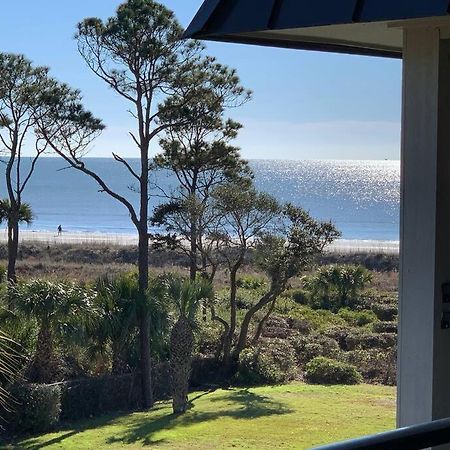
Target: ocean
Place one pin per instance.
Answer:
(361, 197)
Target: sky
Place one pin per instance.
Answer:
(306, 105)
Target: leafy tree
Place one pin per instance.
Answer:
(283, 253)
(186, 295)
(337, 285)
(59, 309)
(139, 54)
(241, 214)
(22, 88)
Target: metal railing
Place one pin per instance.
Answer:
(415, 437)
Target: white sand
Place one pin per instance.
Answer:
(47, 237)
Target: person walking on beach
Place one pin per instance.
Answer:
(59, 230)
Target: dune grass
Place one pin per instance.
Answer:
(294, 416)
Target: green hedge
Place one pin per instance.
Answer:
(323, 370)
(271, 362)
(37, 408)
(89, 397)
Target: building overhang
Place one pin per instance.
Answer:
(364, 27)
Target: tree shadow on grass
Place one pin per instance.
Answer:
(240, 404)
(68, 430)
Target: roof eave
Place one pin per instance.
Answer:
(298, 45)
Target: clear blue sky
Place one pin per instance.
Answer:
(307, 105)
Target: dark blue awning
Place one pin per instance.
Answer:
(350, 26)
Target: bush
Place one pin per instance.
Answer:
(323, 370)
(90, 397)
(205, 372)
(309, 347)
(299, 296)
(339, 334)
(384, 327)
(376, 366)
(271, 362)
(385, 312)
(249, 282)
(357, 318)
(371, 340)
(37, 408)
(208, 336)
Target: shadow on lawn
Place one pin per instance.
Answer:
(242, 404)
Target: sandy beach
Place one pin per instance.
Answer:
(48, 237)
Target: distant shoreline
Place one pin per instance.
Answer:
(117, 239)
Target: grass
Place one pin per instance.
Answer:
(294, 416)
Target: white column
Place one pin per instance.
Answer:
(424, 348)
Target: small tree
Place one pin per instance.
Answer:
(241, 215)
(22, 89)
(186, 295)
(283, 254)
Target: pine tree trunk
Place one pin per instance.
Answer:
(144, 323)
(13, 247)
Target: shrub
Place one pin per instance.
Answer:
(309, 347)
(37, 408)
(271, 362)
(377, 366)
(249, 282)
(299, 296)
(339, 334)
(384, 327)
(208, 336)
(277, 327)
(385, 312)
(89, 397)
(300, 325)
(206, 371)
(357, 318)
(319, 319)
(323, 370)
(370, 340)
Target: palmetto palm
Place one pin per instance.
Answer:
(10, 360)
(118, 304)
(187, 296)
(338, 283)
(60, 309)
(25, 213)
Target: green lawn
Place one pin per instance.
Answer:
(292, 416)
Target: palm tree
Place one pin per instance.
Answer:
(115, 328)
(10, 359)
(60, 310)
(187, 296)
(337, 285)
(13, 215)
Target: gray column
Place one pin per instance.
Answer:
(424, 348)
